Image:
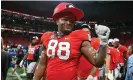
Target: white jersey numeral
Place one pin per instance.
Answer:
(31, 50)
(52, 47)
(62, 46)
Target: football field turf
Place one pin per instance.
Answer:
(16, 75)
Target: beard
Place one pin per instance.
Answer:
(65, 30)
(116, 46)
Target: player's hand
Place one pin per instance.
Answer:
(103, 33)
(90, 77)
(21, 63)
(110, 76)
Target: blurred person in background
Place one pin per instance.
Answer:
(129, 74)
(123, 57)
(20, 56)
(31, 57)
(86, 71)
(4, 62)
(112, 59)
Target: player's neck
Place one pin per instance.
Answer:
(59, 34)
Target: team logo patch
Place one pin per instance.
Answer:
(70, 6)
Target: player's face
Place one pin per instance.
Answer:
(34, 41)
(66, 24)
(116, 44)
(130, 50)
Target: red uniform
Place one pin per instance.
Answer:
(115, 56)
(31, 51)
(85, 67)
(122, 49)
(63, 54)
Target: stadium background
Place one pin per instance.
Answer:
(20, 20)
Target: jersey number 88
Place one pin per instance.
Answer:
(62, 46)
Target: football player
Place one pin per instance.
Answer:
(123, 57)
(31, 57)
(112, 59)
(62, 51)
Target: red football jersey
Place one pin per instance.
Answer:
(85, 67)
(63, 54)
(114, 57)
(95, 42)
(31, 51)
(122, 49)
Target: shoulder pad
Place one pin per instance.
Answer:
(46, 35)
(81, 34)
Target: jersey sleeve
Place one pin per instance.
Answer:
(83, 35)
(124, 48)
(45, 37)
(95, 42)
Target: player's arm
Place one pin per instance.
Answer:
(108, 58)
(107, 67)
(93, 71)
(26, 55)
(22, 61)
(41, 67)
(87, 50)
(125, 55)
(92, 74)
(103, 33)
